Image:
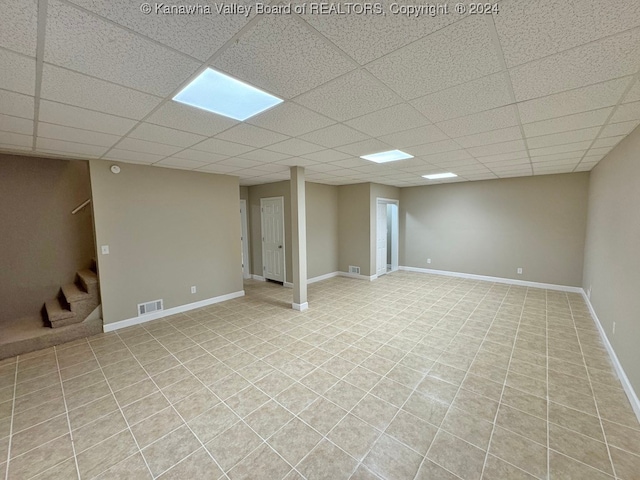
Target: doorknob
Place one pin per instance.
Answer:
(279, 246)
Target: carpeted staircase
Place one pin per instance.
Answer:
(75, 301)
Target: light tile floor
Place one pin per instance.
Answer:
(412, 376)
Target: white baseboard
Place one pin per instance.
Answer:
(109, 327)
(301, 307)
(326, 276)
(626, 384)
(357, 276)
(287, 284)
(259, 278)
(509, 281)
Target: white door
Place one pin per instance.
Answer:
(272, 210)
(244, 239)
(394, 236)
(381, 239)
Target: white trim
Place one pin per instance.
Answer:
(301, 307)
(356, 276)
(510, 281)
(626, 384)
(109, 327)
(244, 228)
(326, 276)
(287, 284)
(259, 278)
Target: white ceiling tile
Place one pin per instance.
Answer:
(85, 43)
(272, 167)
(132, 157)
(465, 162)
(475, 96)
(573, 161)
(451, 56)
(199, 156)
(414, 136)
(489, 163)
(389, 120)
(280, 55)
(239, 162)
(143, 146)
(334, 136)
(218, 168)
(364, 148)
(528, 31)
(180, 163)
(16, 104)
(222, 147)
(323, 167)
(451, 155)
(18, 73)
(69, 116)
(290, 119)
(607, 142)
(246, 134)
(328, 155)
(480, 122)
(296, 162)
(196, 35)
(19, 26)
(505, 157)
(264, 155)
(623, 128)
(294, 147)
(592, 158)
(48, 144)
(575, 101)
(352, 163)
(16, 125)
(584, 167)
(352, 95)
(6, 148)
(596, 62)
(569, 147)
(558, 156)
(170, 136)
(626, 112)
(633, 95)
(562, 138)
(552, 170)
(431, 148)
(487, 138)
(16, 139)
(497, 148)
(602, 151)
(72, 88)
(567, 123)
(70, 134)
(183, 117)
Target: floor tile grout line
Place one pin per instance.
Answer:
(13, 407)
(121, 413)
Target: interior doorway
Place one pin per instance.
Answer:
(273, 247)
(386, 235)
(244, 240)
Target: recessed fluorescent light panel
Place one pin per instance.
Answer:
(384, 157)
(438, 176)
(219, 93)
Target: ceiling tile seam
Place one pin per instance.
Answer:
(86, 109)
(129, 30)
(204, 65)
(634, 78)
(20, 54)
(40, 39)
(493, 32)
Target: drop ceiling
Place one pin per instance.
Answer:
(541, 87)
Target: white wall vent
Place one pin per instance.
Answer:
(150, 307)
(353, 269)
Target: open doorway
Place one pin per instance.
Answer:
(386, 235)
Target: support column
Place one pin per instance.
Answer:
(299, 235)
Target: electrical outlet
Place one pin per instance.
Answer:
(104, 249)
(428, 260)
(519, 270)
(193, 289)
(614, 328)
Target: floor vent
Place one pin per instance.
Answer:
(353, 269)
(149, 307)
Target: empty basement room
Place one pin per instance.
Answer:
(306, 240)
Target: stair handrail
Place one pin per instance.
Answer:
(81, 206)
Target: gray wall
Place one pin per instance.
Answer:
(354, 227)
(612, 258)
(493, 227)
(41, 245)
(322, 229)
(167, 230)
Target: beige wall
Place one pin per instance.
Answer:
(244, 193)
(167, 230)
(354, 227)
(41, 245)
(378, 191)
(493, 227)
(612, 255)
(322, 229)
(256, 192)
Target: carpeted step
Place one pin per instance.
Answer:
(89, 281)
(72, 293)
(57, 314)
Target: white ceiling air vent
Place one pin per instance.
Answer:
(149, 307)
(353, 269)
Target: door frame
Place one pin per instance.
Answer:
(244, 237)
(395, 235)
(284, 244)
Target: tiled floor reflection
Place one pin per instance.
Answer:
(412, 376)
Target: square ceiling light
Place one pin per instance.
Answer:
(384, 157)
(438, 176)
(219, 93)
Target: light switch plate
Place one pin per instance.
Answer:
(105, 249)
